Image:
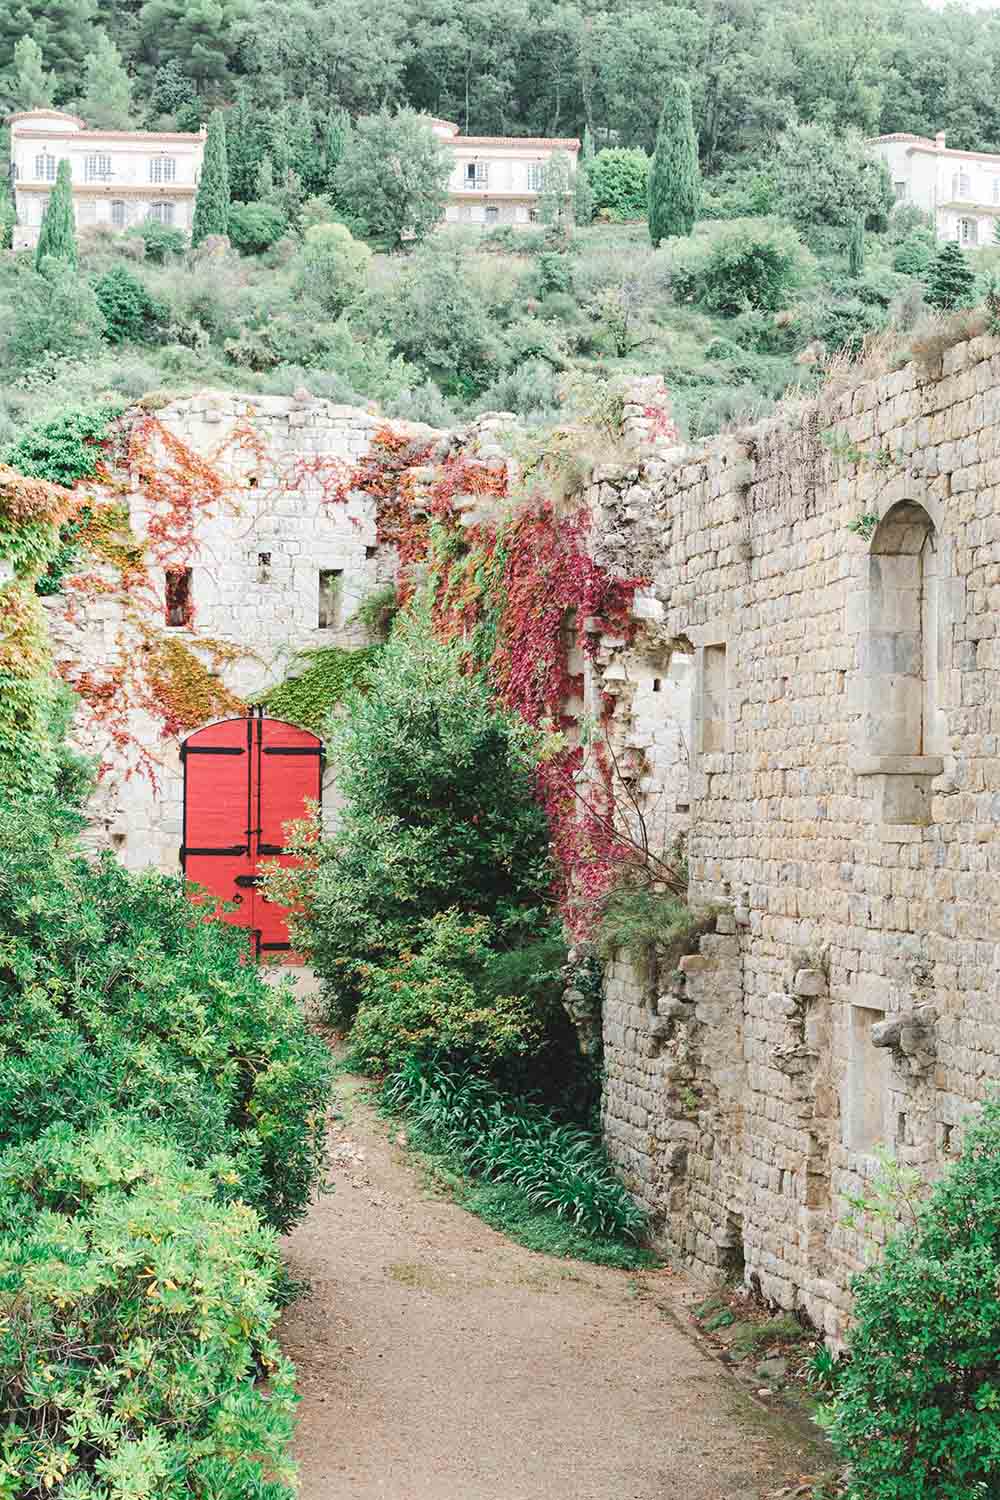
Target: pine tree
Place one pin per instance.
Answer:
(33, 88)
(951, 280)
(674, 178)
(57, 237)
(107, 94)
(211, 206)
(856, 250)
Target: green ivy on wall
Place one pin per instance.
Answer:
(320, 679)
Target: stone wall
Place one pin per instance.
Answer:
(831, 584)
(255, 560)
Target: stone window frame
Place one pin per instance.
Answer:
(707, 638)
(870, 998)
(901, 782)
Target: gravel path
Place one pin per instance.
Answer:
(439, 1361)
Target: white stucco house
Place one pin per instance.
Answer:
(119, 176)
(959, 189)
(497, 179)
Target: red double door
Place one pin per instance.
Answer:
(244, 779)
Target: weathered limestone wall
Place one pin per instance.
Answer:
(832, 585)
(281, 460)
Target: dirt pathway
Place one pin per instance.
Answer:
(439, 1361)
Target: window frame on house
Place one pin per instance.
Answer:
(162, 169)
(968, 231)
(161, 212)
(491, 213)
(899, 191)
(536, 175)
(97, 167)
(477, 176)
(122, 205)
(46, 167)
(961, 187)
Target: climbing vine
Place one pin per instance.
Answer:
(318, 681)
(520, 591)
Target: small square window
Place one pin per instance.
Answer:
(371, 552)
(179, 609)
(264, 567)
(329, 598)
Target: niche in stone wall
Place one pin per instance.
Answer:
(902, 731)
(867, 1083)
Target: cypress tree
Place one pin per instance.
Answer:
(856, 250)
(244, 147)
(211, 206)
(587, 149)
(674, 178)
(583, 195)
(951, 280)
(58, 235)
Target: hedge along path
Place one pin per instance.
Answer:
(437, 1360)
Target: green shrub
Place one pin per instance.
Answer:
(54, 315)
(555, 272)
(137, 1305)
(951, 280)
(492, 1136)
(843, 324)
(332, 267)
(642, 922)
(439, 812)
(618, 178)
(436, 319)
(116, 994)
(254, 227)
(915, 1411)
(739, 264)
(434, 999)
(913, 255)
(159, 240)
(64, 448)
(531, 391)
(128, 309)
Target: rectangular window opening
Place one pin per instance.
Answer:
(657, 684)
(715, 700)
(371, 552)
(330, 580)
(179, 610)
(263, 566)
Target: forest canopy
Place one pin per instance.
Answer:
(550, 67)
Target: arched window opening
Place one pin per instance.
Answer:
(903, 730)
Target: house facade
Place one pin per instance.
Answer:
(497, 179)
(959, 189)
(120, 177)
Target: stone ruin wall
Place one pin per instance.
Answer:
(277, 503)
(815, 709)
(831, 584)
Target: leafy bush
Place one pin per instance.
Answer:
(915, 1411)
(117, 995)
(331, 267)
(739, 264)
(435, 319)
(439, 812)
(643, 922)
(50, 315)
(618, 178)
(843, 324)
(159, 240)
(555, 272)
(435, 1000)
(128, 309)
(560, 1168)
(138, 1304)
(913, 255)
(254, 227)
(531, 391)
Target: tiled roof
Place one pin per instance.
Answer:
(109, 135)
(564, 143)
